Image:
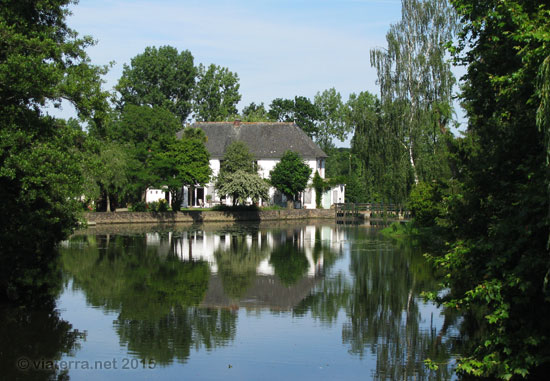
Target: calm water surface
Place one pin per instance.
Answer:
(270, 302)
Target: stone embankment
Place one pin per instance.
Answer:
(201, 216)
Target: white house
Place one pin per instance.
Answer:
(267, 142)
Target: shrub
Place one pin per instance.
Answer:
(138, 207)
(425, 204)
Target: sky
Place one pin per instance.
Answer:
(278, 48)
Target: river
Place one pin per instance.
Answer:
(308, 301)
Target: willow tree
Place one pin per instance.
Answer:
(416, 82)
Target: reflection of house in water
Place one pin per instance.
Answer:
(243, 272)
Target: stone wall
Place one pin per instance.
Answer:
(200, 216)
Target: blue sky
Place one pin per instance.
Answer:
(279, 48)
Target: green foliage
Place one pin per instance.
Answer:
(155, 206)
(139, 206)
(497, 264)
(184, 162)
(299, 110)
(42, 61)
(416, 93)
(331, 118)
(105, 169)
(148, 131)
(242, 185)
(238, 176)
(255, 113)
(159, 78)
(237, 157)
(290, 175)
(216, 94)
(378, 168)
(320, 187)
(425, 204)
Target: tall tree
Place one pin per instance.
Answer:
(216, 94)
(331, 122)
(384, 168)
(148, 130)
(416, 81)
(498, 267)
(299, 110)
(41, 61)
(160, 77)
(105, 169)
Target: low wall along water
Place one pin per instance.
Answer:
(201, 216)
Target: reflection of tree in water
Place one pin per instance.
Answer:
(383, 308)
(152, 293)
(237, 264)
(172, 336)
(290, 262)
(37, 333)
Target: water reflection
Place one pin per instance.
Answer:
(385, 314)
(34, 336)
(182, 288)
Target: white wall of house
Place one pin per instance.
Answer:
(153, 195)
(265, 166)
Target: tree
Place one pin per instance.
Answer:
(42, 61)
(331, 118)
(497, 267)
(300, 110)
(239, 177)
(148, 130)
(383, 168)
(255, 113)
(216, 94)
(159, 78)
(185, 162)
(105, 169)
(242, 185)
(416, 82)
(237, 157)
(290, 175)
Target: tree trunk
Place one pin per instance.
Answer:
(413, 164)
(108, 202)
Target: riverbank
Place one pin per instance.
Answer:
(202, 216)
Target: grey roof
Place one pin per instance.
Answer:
(265, 140)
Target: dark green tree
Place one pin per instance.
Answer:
(216, 94)
(105, 170)
(380, 167)
(290, 175)
(498, 266)
(255, 113)
(299, 110)
(160, 77)
(237, 157)
(184, 162)
(148, 131)
(42, 61)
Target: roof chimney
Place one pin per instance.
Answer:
(237, 122)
